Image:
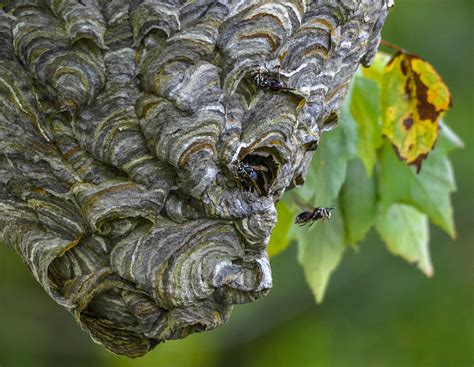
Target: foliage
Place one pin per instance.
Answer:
(363, 167)
(414, 98)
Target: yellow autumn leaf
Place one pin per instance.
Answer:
(414, 99)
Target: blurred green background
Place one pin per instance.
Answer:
(378, 310)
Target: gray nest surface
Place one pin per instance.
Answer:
(144, 143)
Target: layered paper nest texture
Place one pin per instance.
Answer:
(140, 158)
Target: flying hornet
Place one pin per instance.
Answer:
(311, 217)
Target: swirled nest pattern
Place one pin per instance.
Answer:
(141, 154)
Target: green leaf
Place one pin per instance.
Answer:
(406, 233)
(281, 235)
(365, 108)
(322, 245)
(327, 171)
(429, 191)
(358, 202)
(320, 249)
(348, 125)
(376, 70)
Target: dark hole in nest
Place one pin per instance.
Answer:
(331, 121)
(196, 328)
(311, 146)
(265, 169)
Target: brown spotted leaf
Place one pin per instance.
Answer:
(414, 98)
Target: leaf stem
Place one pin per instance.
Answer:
(392, 46)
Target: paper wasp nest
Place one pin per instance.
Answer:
(142, 153)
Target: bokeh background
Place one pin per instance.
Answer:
(378, 311)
